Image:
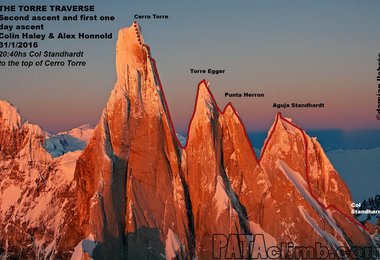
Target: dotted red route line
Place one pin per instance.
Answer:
(279, 116)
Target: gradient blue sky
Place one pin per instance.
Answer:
(293, 51)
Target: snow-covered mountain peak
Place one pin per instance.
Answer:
(75, 139)
(34, 188)
(19, 138)
(9, 115)
(283, 126)
(84, 127)
(83, 132)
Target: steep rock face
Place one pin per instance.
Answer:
(33, 188)
(269, 196)
(176, 198)
(136, 193)
(330, 189)
(242, 167)
(292, 161)
(130, 192)
(215, 205)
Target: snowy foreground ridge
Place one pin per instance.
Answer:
(129, 189)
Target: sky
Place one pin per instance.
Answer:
(292, 51)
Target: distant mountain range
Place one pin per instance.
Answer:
(73, 140)
(333, 139)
